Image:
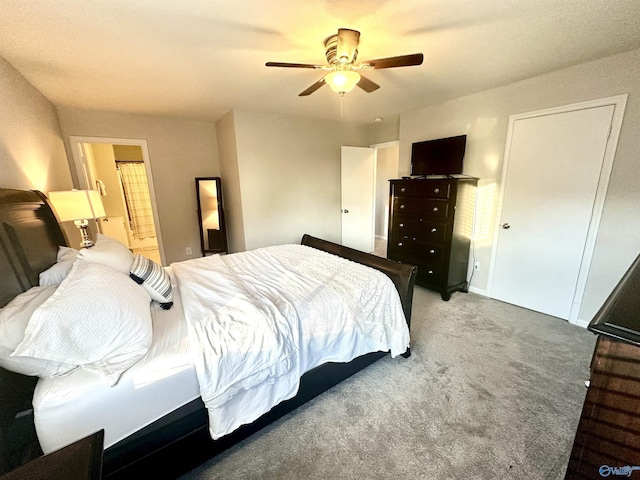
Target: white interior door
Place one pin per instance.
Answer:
(554, 165)
(358, 174)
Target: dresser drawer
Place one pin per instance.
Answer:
(427, 273)
(422, 229)
(426, 207)
(418, 188)
(409, 245)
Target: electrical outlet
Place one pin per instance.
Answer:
(476, 266)
(189, 251)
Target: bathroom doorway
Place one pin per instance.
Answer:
(119, 170)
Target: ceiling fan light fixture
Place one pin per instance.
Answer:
(342, 81)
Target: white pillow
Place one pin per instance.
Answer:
(14, 318)
(97, 318)
(66, 253)
(59, 271)
(109, 251)
(154, 279)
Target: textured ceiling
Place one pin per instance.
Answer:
(199, 59)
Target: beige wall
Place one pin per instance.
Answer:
(179, 151)
(484, 118)
(385, 131)
(127, 152)
(32, 154)
(231, 187)
(288, 175)
(386, 169)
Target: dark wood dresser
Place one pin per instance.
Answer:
(81, 460)
(607, 443)
(430, 225)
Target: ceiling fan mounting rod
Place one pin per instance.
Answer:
(334, 57)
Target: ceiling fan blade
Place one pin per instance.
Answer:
(391, 62)
(347, 45)
(293, 65)
(312, 88)
(367, 85)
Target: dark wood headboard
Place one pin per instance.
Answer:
(29, 240)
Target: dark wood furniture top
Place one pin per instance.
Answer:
(29, 240)
(82, 460)
(607, 443)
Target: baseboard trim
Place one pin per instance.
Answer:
(479, 291)
(580, 323)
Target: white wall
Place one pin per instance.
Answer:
(179, 151)
(289, 175)
(484, 118)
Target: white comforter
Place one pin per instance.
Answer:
(258, 320)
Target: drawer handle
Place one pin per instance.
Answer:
(430, 272)
(432, 251)
(399, 244)
(401, 225)
(403, 189)
(434, 230)
(436, 190)
(401, 206)
(435, 209)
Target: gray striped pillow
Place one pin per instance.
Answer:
(154, 279)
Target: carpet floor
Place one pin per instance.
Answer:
(490, 391)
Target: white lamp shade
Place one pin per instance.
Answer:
(342, 81)
(77, 204)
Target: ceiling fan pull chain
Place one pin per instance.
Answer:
(342, 105)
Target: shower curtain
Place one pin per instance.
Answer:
(136, 195)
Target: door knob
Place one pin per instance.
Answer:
(506, 226)
(345, 211)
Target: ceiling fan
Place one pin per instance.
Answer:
(341, 53)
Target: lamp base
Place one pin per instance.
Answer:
(86, 241)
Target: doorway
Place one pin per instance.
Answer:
(365, 175)
(555, 176)
(119, 170)
(387, 159)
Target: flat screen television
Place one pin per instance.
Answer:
(438, 157)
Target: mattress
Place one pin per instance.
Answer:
(71, 407)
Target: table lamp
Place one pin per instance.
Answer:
(79, 206)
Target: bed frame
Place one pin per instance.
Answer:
(29, 240)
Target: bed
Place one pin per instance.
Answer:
(172, 440)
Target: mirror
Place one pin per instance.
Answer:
(213, 234)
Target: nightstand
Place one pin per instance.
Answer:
(81, 460)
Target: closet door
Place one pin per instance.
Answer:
(553, 167)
